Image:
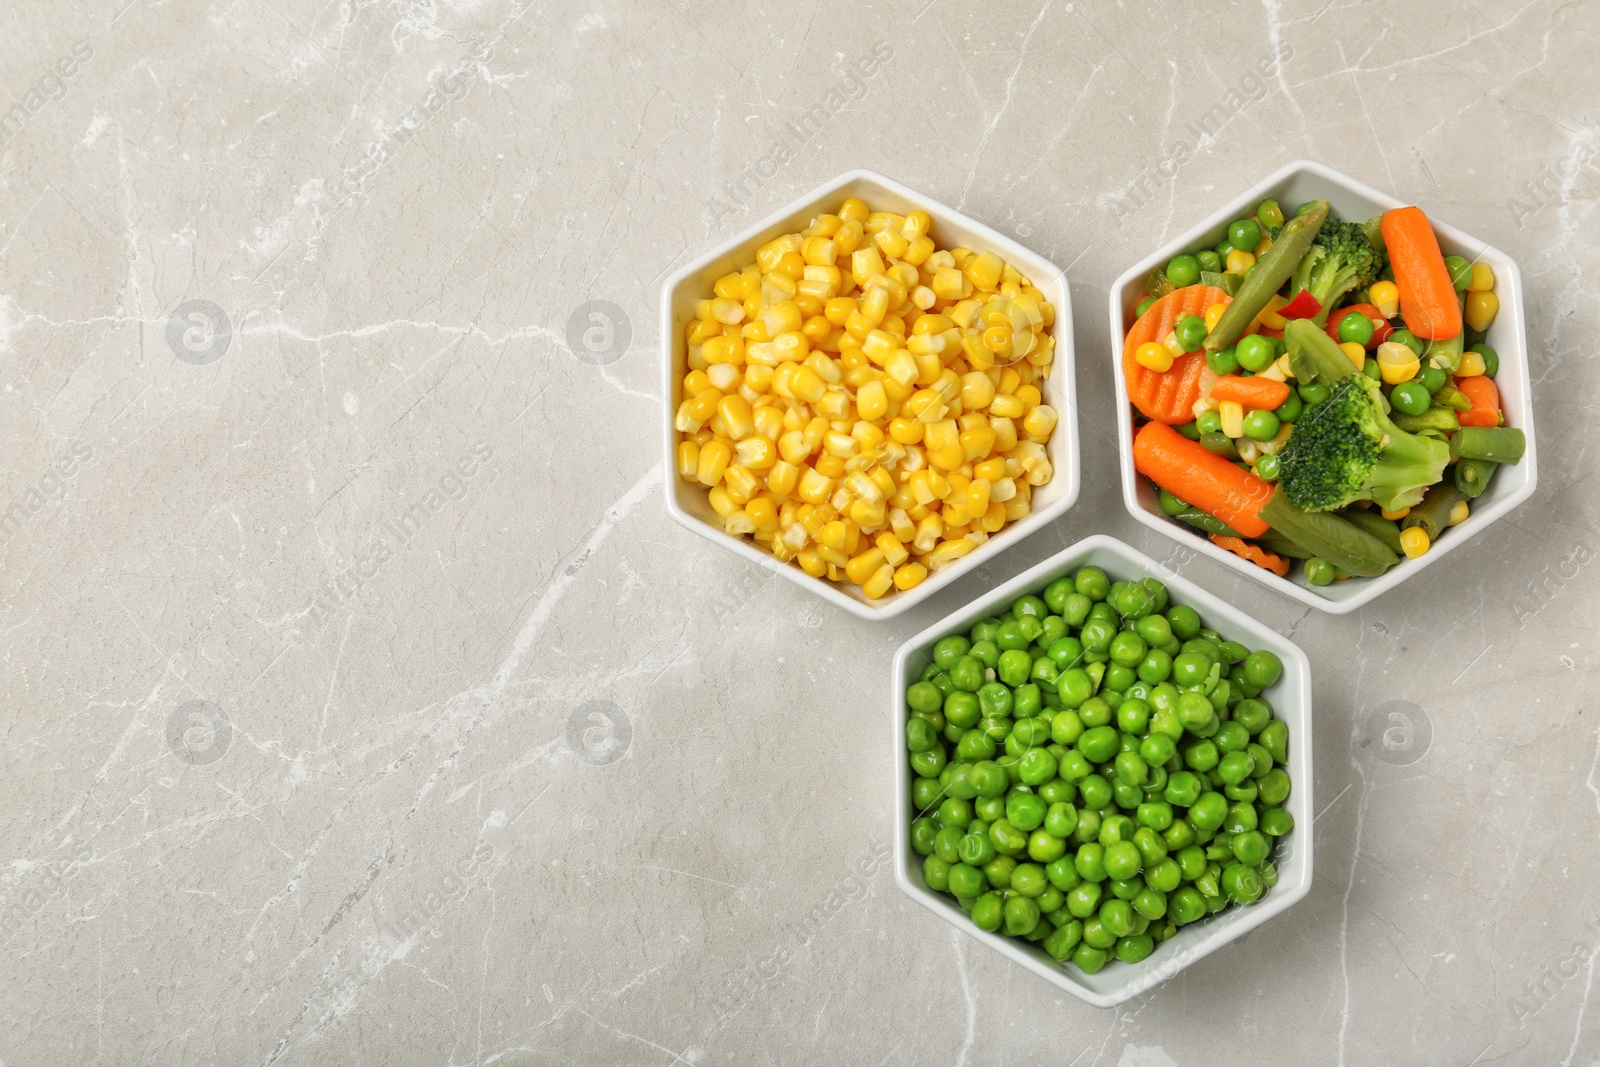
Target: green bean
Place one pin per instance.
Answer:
(1500, 444)
(1433, 514)
(1268, 275)
(1339, 541)
(1375, 524)
(1473, 476)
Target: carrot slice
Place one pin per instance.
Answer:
(1256, 392)
(1485, 397)
(1254, 553)
(1427, 298)
(1192, 473)
(1169, 396)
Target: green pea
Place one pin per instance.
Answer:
(975, 745)
(920, 735)
(1118, 678)
(946, 843)
(1088, 959)
(1157, 749)
(955, 812)
(1127, 649)
(1066, 727)
(1096, 635)
(967, 674)
(1274, 787)
(1096, 794)
(923, 832)
(1074, 767)
(1491, 360)
(1242, 884)
(928, 764)
(1209, 261)
(1076, 609)
(1186, 905)
(1126, 795)
(1090, 863)
(1207, 813)
(1224, 246)
(1290, 409)
(1061, 943)
(1225, 361)
(1460, 271)
(947, 650)
(1183, 621)
(1208, 422)
(1240, 817)
(1024, 812)
(1255, 353)
(1274, 737)
(998, 871)
(1179, 835)
(1133, 716)
(1319, 571)
(1262, 669)
(1191, 332)
(1155, 814)
(1117, 917)
(1183, 269)
(1355, 328)
(924, 696)
(1313, 393)
(1275, 822)
(1232, 736)
(1261, 425)
(1251, 847)
(1245, 234)
(1028, 701)
(988, 912)
(1098, 744)
(1014, 666)
(1031, 626)
(989, 809)
(1131, 770)
(1195, 712)
(1156, 667)
(1092, 583)
(1235, 767)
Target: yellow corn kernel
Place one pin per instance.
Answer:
(948, 552)
(769, 422)
(1458, 513)
(1240, 261)
(984, 271)
(1396, 363)
(1005, 432)
(1232, 415)
(917, 253)
(1385, 296)
(720, 502)
(688, 459)
(783, 477)
(756, 452)
(763, 514)
(994, 519)
(906, 431)
(1041, 421)
(736, 414)
(977, 390)
(1356, 353)
(1482, 278)
(879, 345)
(811, 562)
(902, 525)
(865, 264)
(947, 284)
(910, 576)
(806, 384)
(829, 466)
(1007, 407)
(891, 243)
(1481, 309)
(1213, 313)
(977, 442)
(902, 367)
(894, 553)
(977, 502)
(1154, 356)
(701, 330)
(929, 530)
(819, 251)
(1394, 516)
(814, 487)
(838, 310)
(793, 447)
(742, 484)
(871, 401)
(862, 567)
(1017, 508)
(1414, 542)
(714, 458)
(1472, 365)
(992, 469)
(854, 210)
(727, 311)
(781, 318)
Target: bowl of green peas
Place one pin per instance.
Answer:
(1104, 772)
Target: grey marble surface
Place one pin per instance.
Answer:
(326, 544)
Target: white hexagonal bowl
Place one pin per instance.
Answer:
(1290, 698)
(1292, 185)
(688, 504)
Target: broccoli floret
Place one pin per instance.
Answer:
(1340, 259)
(1346, 449)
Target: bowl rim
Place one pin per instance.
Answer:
(1512, 358)
(1063, 378)
(1298, 699)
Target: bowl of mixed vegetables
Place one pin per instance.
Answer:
(869, 393)
(1103, 772)
(1322, 387)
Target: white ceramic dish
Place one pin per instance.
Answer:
(1290, 698)
(1293, 185)
(687, 502)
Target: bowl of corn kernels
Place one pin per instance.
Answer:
(869, 393)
